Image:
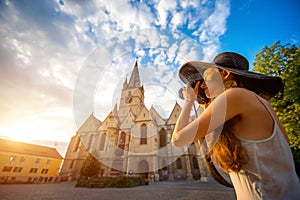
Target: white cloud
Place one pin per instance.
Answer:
(210, 52)
(177, 20)
(164, 9)
(215, 25)
(46, 46)
(128, 17)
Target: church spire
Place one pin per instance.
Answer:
(125, 83)
(134, 80)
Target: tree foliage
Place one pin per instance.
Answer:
(90, 167)
(284, 61)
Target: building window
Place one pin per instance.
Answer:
(11, 160)
(18, 169)
(101, 172)
(47, 163)
(71, 164)
(162, 138)
(178, 163)
(33, 170)
(22, 159)
(195, 163)
(44, 171)
(37, 161)
(144, 134)
(77, 144)
(89, 142)
(102, 141)
(122, 140)
(7, 168)
(29, 180)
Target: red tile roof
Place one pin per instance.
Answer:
(28, 149)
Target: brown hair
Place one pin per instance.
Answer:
(229, 152)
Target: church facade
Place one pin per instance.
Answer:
(133, 140)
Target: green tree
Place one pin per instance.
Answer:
(90, 167)
(284, 61)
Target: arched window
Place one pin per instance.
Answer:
(71, 164)
(76, 147)
(178, 163)
(164, 164)
(162, 138)
(195, 163)
(102, 142)
(122, 140)
(164, 169)
(144, 134)
(89, 142)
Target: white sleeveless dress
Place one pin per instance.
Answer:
(270, 172)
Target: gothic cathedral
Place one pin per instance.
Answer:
(133, 140)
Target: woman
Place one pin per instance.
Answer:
(239, 126)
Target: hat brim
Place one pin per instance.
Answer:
(263, 85)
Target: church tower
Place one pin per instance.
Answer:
(132, 95)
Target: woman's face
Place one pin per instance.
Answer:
(213, 83)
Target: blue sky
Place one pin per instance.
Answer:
(254, 24)
(62, 60)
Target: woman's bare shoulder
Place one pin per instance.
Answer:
(240, 91)
(241, 100)
(240, 95)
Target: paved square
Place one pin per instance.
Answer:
(154, 191)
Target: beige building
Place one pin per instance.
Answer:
(28, 163)
(133, 140)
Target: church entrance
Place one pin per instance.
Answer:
(143, 170)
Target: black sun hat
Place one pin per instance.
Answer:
(263, 85)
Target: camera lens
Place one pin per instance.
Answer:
(193, 84)
(201, 98)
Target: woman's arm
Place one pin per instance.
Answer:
(184, 118)
(177, 138)
(227, 105)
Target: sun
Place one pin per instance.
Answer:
(25, 132)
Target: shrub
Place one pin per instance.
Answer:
(111, 182)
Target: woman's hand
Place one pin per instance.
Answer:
(196, 89)
(189, 93)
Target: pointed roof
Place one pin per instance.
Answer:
(144, 115)
(115, 110)
(90, 124)
(115, 113)
(134, 80)
(125, 82)
(110, 121)
(156, 116)
(174, 114)
(128, 121)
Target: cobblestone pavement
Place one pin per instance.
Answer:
(154, 191)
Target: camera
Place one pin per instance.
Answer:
(201, 98)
